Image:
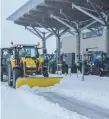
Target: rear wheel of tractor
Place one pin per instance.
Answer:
(101, 73)
(10, 76)
(45, 73)
(2, 73)
(16, 74)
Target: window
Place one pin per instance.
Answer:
(100, 56)
(94, 33)
(28, 52)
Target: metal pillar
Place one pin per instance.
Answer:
(106, 39)
(42, 35)
(78, 46)
(44, 41)
(77, 31)
(58, 45)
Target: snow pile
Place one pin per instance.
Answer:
(38, 102)
(20, 104)
(24, 103)
(94, 89)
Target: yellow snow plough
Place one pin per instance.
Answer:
(23, 66)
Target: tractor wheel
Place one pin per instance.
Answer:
(101, 73)
(16, 74)
(23, 69)
(9, 75)
(1, 73)
(45, 73)
(1, 63)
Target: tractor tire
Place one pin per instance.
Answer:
(16, 74)
(23, 69)
(86, 70)
(2, 73)
(45, 73)
(101, 73)
(10, 76)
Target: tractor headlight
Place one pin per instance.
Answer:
(101, 69)
(93, 64)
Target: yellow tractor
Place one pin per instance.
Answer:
(24, 65)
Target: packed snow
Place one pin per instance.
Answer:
(21, 104)
(26, 103)
(93, 89)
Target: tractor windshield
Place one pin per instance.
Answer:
(99, 56)
(28, 52)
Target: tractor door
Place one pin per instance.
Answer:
(4, 62)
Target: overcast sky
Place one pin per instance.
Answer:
(18, 34)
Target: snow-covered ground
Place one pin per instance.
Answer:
(32, 102)
(94, 89)
(20, 104)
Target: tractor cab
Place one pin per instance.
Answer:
(26, 51)
(100, 56)
(98, 60)
(57, 63)
(96, 57)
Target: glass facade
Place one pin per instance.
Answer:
(92, 34)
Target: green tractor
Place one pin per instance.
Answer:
(58, 64)
(99, 63)
(47, 58)
(4, 62)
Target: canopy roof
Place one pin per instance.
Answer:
(37, 13)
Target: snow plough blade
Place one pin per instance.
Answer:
(39, 81)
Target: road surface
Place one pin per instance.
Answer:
(82, 108)
(23, 109)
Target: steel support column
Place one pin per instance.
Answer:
(78, 35)
(42, 35)
(106, 39)
(44, 41)
(78, 46)
(58, 45)
(58, 35)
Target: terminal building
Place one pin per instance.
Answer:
(93, 40)
(89, 40)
